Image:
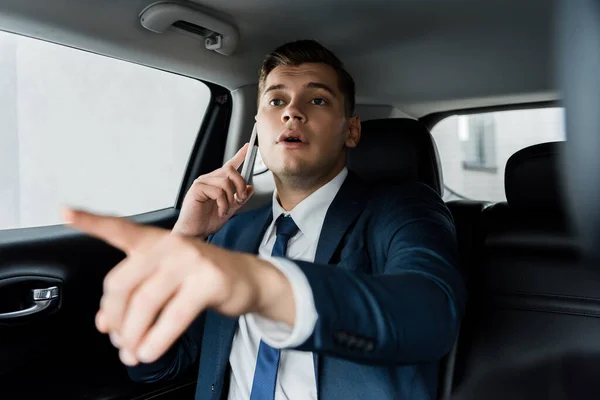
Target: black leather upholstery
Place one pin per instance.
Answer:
(532, 180)
(396, 150)
(467, 218)
(533, 307)
(534, 195)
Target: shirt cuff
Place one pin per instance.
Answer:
(280, 335)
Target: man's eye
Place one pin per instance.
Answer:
(276, 102)
(319, 102)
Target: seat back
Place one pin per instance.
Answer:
(396, 150)
(533, 317)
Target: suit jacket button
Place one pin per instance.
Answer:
(369, 346)
(341, 337)
(352, 341)
(212, 388)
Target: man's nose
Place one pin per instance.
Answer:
(292, 112)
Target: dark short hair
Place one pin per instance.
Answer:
(309, 51)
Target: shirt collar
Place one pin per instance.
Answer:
(310, 213)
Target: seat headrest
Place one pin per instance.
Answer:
(396, 150)
(532, 181)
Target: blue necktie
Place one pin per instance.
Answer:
(267, 362)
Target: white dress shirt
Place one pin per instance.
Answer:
(296, 374)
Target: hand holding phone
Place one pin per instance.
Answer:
(213, 197)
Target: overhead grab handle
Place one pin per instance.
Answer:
(216, 34)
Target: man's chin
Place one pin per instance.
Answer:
(297, 172)
(294, 172)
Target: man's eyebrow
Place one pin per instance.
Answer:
(309, 85)
(274, 87)
(319, 85)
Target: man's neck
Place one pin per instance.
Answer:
(290, 195)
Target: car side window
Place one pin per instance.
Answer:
(474, 148)
(90, 131)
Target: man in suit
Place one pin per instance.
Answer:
(335, 290)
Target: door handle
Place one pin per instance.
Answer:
(42, 299)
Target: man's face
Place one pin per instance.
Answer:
(302, 126)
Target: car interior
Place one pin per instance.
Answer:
(532, 322)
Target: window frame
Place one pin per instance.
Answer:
(206, 154)
(432, 119)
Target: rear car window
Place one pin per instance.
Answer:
(474, 148)
(90, 131)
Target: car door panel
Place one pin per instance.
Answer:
(62, 339)
(54, 351)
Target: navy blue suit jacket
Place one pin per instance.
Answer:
(387, 290)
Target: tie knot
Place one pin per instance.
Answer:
(285, 226)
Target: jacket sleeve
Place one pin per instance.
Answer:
(184, 353)
(407, 311)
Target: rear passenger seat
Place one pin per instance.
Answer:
(532, 328)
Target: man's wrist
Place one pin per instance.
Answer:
(275, 298)
(277, 333)
(182, 230)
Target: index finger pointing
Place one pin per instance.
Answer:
(238, 158)
(173, 320)
(115, 231)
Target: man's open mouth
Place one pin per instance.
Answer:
(291, 136)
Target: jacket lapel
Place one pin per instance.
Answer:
(345, 208)
(250, 238)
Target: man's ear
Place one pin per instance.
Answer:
(354, 132)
